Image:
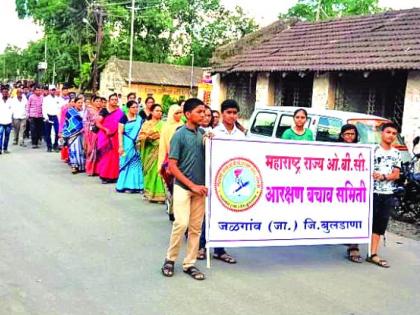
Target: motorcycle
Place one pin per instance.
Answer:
(408, 191)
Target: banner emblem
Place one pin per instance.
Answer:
(238, 184)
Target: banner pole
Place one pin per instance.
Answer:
(207, 204)
(208, 257)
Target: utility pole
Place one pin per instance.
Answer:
(130, 69)
(4, 67)
(318, 10)
(192, 73)
(45, 48)
(53, 75)
(99, 15)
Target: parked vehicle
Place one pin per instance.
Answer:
(408, 191)
(272, 121)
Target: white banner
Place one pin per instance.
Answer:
(278, 193)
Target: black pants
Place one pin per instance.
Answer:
(37, 126)
(383, 205)
(27, 129)
(53, 123)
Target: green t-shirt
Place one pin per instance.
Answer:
(289, 134)
(124, 108)
(188, 149)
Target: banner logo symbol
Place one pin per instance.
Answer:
(238, 184)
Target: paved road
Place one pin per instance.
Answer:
(69, 245)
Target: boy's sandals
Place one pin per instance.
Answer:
(353, 255)
(168, 268)
(202, 254)
(195, 273)
(225, 258)
(374, 259)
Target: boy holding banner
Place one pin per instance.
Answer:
(187, 165)
(387, 164)
(228, 128)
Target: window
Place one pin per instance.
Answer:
(370, 130)
(264, 124)
(286, 121)
(328, 129)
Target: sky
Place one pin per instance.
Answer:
(19, 32)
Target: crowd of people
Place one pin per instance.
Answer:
(140, 152)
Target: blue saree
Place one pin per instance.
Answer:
(131, 174)
(73, 137)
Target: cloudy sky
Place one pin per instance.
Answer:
(19, 32)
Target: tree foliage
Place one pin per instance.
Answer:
(164, 31)
(312, 10)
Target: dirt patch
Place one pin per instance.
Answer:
(408, 230)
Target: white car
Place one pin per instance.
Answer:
(272, 121)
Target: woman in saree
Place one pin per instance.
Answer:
(73, 135)
(91, 134)
(107, 145)
(173, 123)
(63, 111)
(149, 137)
(131, 174)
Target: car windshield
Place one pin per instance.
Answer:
(370, 130)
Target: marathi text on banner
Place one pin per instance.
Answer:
(317, 193)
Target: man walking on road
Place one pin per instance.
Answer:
(186, 163)
(51, 108)
(5, 118)
(19, 116)
(34, 114)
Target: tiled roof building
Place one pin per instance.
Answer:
(368, 64)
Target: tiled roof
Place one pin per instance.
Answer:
(385, 41)
(159, 73)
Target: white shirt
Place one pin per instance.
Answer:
(52, 106)
(19, 107)
(384, 162)
(5, 111)
(220, 130)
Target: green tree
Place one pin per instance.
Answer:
(313, 10)
(165, 31)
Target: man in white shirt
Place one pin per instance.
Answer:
(51, 109)
(19, 116)
(5, 119)
(227, 128)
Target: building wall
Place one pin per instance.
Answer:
(111, 80)
(265, 90)
(157, 91)
(411, 116)
(218, 92)
(320, 92)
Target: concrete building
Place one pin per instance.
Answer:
(368, 64)
(150, 79)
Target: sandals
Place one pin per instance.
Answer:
(201, 254)
(353, 255)
(379, 262)
(225, 258)
(195, 273)
(168, 268)
(74, 170)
